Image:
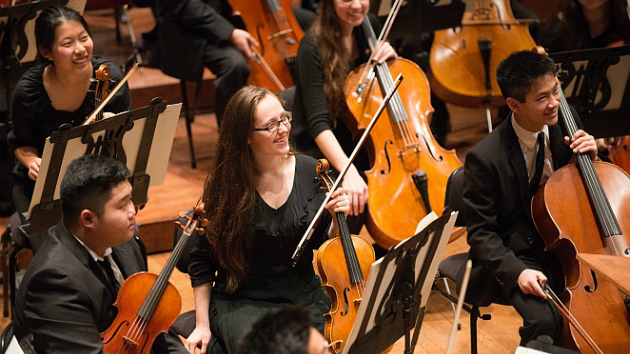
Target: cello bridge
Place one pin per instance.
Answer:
(280, 34)
(413, 148)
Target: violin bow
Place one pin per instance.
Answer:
(555, 300)
(311, 228)
(91, 119)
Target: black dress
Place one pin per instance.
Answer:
(272, 281)
(34, 119)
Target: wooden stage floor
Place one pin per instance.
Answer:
(183, 186)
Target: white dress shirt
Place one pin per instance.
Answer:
(106, 256)
(529, 146)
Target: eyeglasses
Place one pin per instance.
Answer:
(285, 119)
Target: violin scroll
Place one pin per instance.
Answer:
(196, 221)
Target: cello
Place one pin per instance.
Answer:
(410, 169)
(597, 194)
(147, 303)
(464, 60)
(343, 282)
(275, 28)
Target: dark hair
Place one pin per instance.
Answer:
(578, 34)
(286, 331)
(47, 23)
(335, 58)
(519, 71)
(88, 183)
(230, 189)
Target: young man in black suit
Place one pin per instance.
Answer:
(507, 252)
(66, 297)
(192, 34)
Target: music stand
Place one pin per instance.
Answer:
(596, 82)
(398, 287)
(141, 139)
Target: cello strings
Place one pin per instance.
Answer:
(603, 210)
(384, 32)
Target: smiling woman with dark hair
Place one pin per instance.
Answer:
(55, 92)
(259, 199)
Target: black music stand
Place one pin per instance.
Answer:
(597, 83)
(418, 16)
(141, 139)
(397, 290)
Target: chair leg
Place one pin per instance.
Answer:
(12, 271)
(117, 16)
(189, 117)
(124, 18)
(5, 274)
(474, 316)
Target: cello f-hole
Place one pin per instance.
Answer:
(389, 163)
(260, 41)
(590, 289)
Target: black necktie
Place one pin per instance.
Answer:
(540, 161)
(109, 274)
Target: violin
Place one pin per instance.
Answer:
(102, 95)
(343, 263)
(147, 303)
(275, 28)
(409, 168)
(586, 208)
(103, 75)
(464, 60)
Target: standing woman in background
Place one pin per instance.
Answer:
(334, 46)
(259, 200)
(55, 92)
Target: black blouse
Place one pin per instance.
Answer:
(272, 238)
(34, 117)
(310, 110)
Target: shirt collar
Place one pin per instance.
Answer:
(527, 137)
(93, 254)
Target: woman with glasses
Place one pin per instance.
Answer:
(259, 199)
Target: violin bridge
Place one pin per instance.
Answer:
(129, 340)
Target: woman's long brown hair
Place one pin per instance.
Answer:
(335, 58)
(230, 189)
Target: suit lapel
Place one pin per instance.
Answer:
(515, 155)
(71, 243)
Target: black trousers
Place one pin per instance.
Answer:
(230, 67)
(540, 317)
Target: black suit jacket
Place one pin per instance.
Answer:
(64, 300)
(184, 28)
(498, 207)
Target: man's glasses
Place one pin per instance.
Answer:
(285, 119)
